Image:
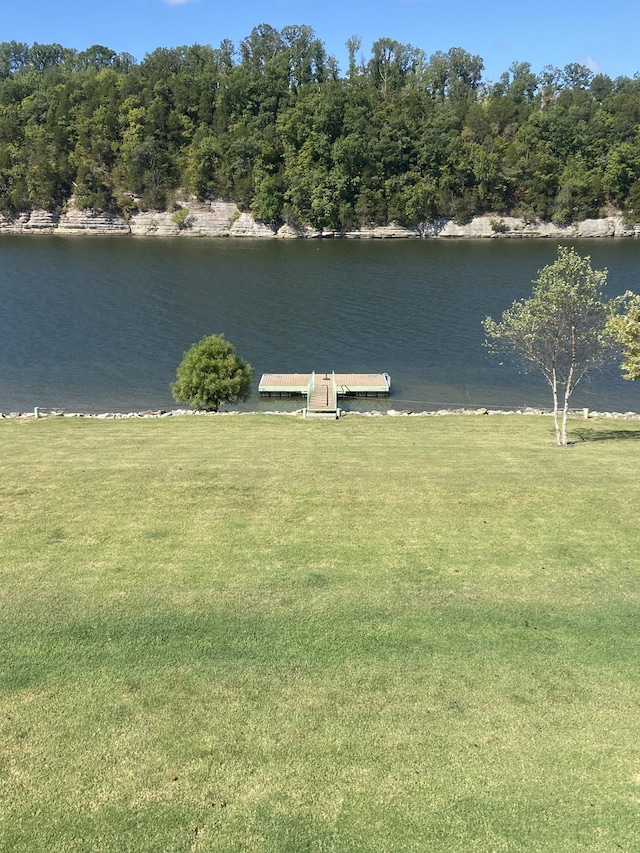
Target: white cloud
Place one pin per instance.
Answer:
(591, 64)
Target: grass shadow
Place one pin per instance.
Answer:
(606, 434)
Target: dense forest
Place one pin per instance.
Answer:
(275, 126)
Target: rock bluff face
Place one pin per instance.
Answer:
(194, 218)
(91, 222)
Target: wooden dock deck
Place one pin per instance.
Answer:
(322, 397)
(323, 389)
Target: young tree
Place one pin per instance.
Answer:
(624, 325)
(560, 331)
(211, 374)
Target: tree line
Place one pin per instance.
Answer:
(275, 126)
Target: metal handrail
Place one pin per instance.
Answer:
(334, 390)
(330, 404)
(311, 388)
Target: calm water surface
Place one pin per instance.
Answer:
(100, 324)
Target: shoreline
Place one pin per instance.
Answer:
(51, 414)
(217, 219)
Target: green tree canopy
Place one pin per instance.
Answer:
(624, 325)
(276, 128)
(211, 374)
(560, 331)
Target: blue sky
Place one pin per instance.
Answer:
(603, 37)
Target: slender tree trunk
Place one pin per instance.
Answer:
(554, 391)
(565, 412)
(568, 388)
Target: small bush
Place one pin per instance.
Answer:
(211, 374)
(181, 218)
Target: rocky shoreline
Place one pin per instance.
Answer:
(40, 414)
(193, 218)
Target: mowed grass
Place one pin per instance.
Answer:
(256, 633)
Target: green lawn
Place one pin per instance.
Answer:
(257, 633)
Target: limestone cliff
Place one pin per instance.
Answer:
(508, 226)
(193, 218)
(75, 221)
(37, 221)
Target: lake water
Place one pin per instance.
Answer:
(100, 324)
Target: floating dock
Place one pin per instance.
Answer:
(322, 390)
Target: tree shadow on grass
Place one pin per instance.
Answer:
(606, 434)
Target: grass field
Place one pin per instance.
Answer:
(257, 633)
